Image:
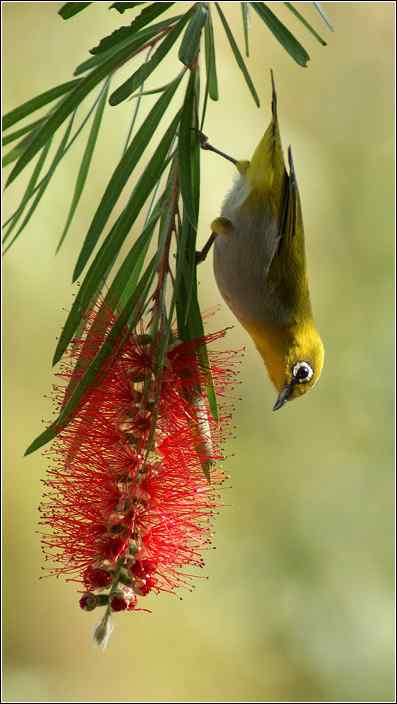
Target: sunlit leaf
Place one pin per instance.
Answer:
(237, 55)
(282, 34)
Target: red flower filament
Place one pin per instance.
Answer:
(127, 505)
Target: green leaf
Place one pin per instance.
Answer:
(113, 342)
(121, 175)
(67, 106)
(57, 158)
(19, 133)
(185, 279)
(196, 330)
(237, 55)
(305, 23)
(145, 17)
(210, 60)
(282, 34)
(129, 272)
(141, 38)
(144, 71)
(86, 161)
(160, 89)
(111, 246)
(68, 146)
(123, 6)
(190, 45)
(70, 9)
(188, 149)
(119, 293)
(12, 222)
(244, 12)
(35, 103)
(323, 15)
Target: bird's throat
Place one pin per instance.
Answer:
(272, 343)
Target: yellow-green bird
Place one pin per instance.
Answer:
(260, 265)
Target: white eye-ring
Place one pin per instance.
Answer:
(302, 372)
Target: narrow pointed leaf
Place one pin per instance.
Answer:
(305, 23)
(237, 55)
(29, 190)
(245, 16)
(144, 71)
(123, 6)
(68, 146)
(57, 158)
(188, 145)
(68, 105)
(153, 91)
(113, 341)
(119, 292)
(35, 103)
(145, 17)
(281, 33)
(191, 39)
(137, 43)
(210, 60)
(196, 329)
(70, 9)
(107, 254)
(323, 15)
(121, 175)
(85, 162)
(19, 133)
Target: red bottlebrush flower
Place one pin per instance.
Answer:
(127, 505)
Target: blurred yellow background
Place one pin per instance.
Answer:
(299, 601)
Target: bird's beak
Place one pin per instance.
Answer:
(283, 396)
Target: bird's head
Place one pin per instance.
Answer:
(301, 365)
(294, 358)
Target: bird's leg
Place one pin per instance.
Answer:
(202, 254)
(204, 144)
(220, 226)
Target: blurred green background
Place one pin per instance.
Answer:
(299, 601)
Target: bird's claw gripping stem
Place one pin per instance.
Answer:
(204, 144)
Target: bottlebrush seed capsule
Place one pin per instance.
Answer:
(88, 601)
(118, 603)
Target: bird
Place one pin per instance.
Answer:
(260, 264)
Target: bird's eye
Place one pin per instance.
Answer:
(302, 372)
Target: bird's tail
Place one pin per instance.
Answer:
(266, 172)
